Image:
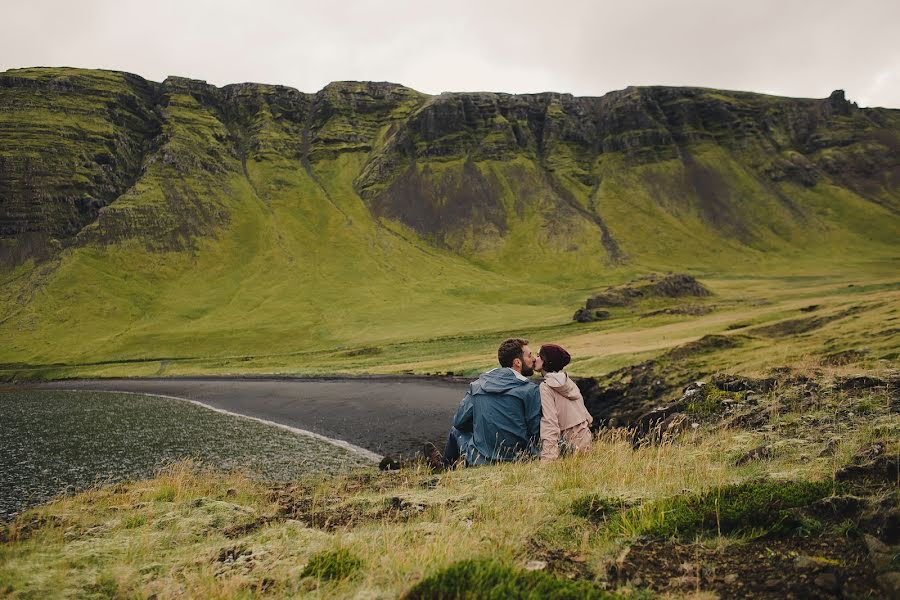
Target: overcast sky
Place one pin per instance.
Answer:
(787, 47)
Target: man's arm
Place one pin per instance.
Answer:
(465, 414)
(533, 419)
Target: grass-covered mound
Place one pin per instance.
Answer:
(758, 508)
(470, 579)
(762, 507)
(332, 565)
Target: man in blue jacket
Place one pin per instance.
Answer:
(499, 420)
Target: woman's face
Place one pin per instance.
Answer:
(539, 363)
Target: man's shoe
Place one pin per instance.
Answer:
(433, 457)
(389, 464)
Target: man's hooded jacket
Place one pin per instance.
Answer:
(502, 414)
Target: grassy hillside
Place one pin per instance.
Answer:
(176, 227)
(758, 494)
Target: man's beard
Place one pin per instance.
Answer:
(527, 371)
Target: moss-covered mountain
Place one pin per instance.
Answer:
(175, 219)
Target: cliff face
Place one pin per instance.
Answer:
(95, 157)
(72, 142)
(69, 145)
(656, 133)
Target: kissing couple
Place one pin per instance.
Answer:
(505, 416)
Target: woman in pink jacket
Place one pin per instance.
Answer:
(565, 420)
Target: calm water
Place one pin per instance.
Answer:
(54, 441)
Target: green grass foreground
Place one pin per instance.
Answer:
(515, 531)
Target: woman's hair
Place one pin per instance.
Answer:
(555, 357)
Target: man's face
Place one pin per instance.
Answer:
(527, 361)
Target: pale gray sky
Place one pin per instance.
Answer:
(787, 47)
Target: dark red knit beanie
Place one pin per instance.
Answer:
(555, 357)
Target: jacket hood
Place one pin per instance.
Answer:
(501, 380)
(563, 385)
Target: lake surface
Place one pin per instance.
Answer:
(53, 441)
(386, 415)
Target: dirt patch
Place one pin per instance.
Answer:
(366, 351)
(745, 402)
(791, 327)
(383, 481)
(232, 553)
(737, 383)
(676, 286)
(889, 384)
(692, 310)
(558, 561)
(624, 296)
(336, 512)
(708, 343)
(22, 529)
(246, 527)
(844, 357)
(621, 396)
(803, 325)
(873, 465)
(824, 567)
(584, 315)
(881, 519)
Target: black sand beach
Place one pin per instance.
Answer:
(389, 416)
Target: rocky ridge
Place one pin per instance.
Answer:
(456, 168)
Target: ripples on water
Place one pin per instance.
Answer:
(56, 441)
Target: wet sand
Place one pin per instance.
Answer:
(386, 415)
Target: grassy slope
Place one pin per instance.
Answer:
(295, 266)
(223, 536)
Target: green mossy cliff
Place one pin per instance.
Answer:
(97, 156)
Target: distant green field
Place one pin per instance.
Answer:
(251, 331)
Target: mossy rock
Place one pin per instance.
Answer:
(768, 507)
(586, 315)
(332, 565)
(490, 579)
(709, 400)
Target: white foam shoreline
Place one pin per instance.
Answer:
(316, 436)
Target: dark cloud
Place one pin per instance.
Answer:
(785, 47)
